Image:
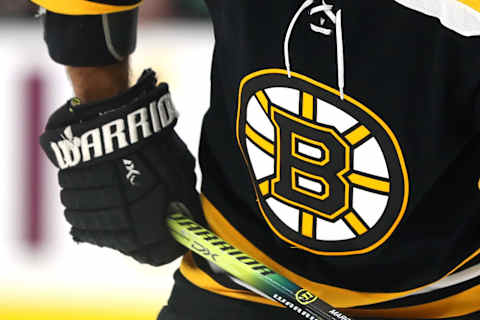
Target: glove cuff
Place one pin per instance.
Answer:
(93, 132)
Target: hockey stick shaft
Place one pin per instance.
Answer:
(249, 271)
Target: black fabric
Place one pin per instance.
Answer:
(188, 302)
(80, 40)
(418, 76)
(418, 299)
(119, 197)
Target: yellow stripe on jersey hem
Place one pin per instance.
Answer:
(82, 7)
(338, 297)
(461, 304)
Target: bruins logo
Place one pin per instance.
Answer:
(329, 174)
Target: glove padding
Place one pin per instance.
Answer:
(121, 165)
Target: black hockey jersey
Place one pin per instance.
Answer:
(341, 148)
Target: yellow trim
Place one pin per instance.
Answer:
(264, 187)
(339, 297)
(307, 106)
(262, 99)
(81, 7)
(362, 107)
(370, 183)
(307, 225)
(458, 305)
(259, 141)
(474, 4)
(357, 135)
(198, 277)
(353, 221)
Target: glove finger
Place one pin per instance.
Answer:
(109, 196)
(148, 216)
(132, 172)
(159, 253)
(101, 175)
(148, 219)
(91, 199)
(121, 241)
(97, 220)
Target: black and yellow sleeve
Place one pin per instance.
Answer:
(90, 32)
(87, 7)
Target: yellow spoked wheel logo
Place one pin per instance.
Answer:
(329, 174)
(305, 297)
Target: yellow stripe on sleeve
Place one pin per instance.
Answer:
(474, 4)
(83, 7)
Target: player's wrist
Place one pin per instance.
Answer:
(92, 84)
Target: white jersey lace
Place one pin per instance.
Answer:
(336, 18)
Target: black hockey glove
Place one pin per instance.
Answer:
(121, 165)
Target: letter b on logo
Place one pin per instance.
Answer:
(310, 162)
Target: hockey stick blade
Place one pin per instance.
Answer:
(249, 271)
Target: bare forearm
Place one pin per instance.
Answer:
(97, 83)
